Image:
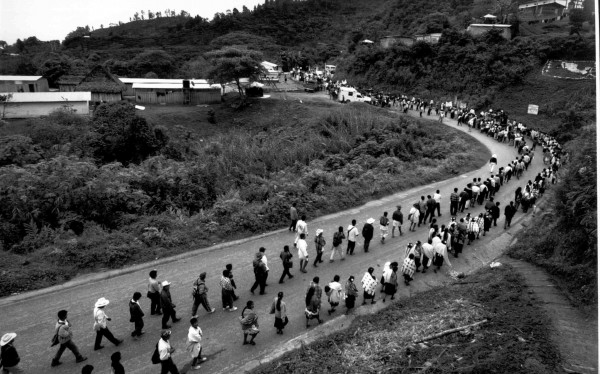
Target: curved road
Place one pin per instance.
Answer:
(33, 318)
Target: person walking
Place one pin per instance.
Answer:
(302, 246)
(397, 220)
(430, 209)
(154, 293)
(293, 217)
(136, 314)
(227, 292)
(249, 322)
(279, 309)
(165, 350)
(194, 344)
(352, 234)
(384, 223)
(367, 233)
(408, 268)
(200, 294)
(422, 210)
(301, 228)
(115, 363)
(260, 271)
(336, 293)
(351, 294)
(369, 283)
(428, 254)
(336, 246)
(312, 300)
(229, 268)
(286, 260)
(319, 246)
(495, 210)
(440, 255)
(64, 337)
(264, 260)
(390, 281)
(167, 305)
(414, 217)
(454, 202)
(100, 325)
(509, 213)
(9, 357)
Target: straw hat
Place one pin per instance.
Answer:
(101, 302)
(319, 231)
(7, 338)
(370, 221)
(165, 283)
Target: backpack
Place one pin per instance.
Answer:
(195, 291)
(155, 356)
(337, 239)
(383, 221)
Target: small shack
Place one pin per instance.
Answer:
(432, 38)
(68, 83)
(541, 11)
(391, 40)
(129, 82)
(36, 104)
(23, 83)
(104, 86)
(478, 29)
(185, 92)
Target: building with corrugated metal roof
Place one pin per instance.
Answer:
(23, 83)
(36, 104)
(186, 92)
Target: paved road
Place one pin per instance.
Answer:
(33, 319)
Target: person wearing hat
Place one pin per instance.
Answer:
(65, 339)
(167, 304)
(100, 325)
(200, 295)
(137, 316)
(8, 354)
(194, 343)
(164, 351)
(319, 246)
(367, 233)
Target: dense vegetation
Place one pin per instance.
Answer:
(79, 195)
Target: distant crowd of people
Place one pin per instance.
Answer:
(439, 241)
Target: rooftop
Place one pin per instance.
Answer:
(38, 97)
(20, 77)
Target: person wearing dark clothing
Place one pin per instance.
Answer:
(495, 212)
(367, 233)
(115, 363)
(286, 259)
(464, 197)
(64, 336)
(293, 217)
(229, 268)
(454, 202)
(319, 246)
(430, 212)
(200, 295)
(509, 213)
(8, 354)
(137, 316)
(397, 220)
(167, 305)
(260, 272)
(422, 210)
(87, 369)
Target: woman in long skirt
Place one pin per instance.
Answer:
(313, 301)
(249, 322)
(351, 294)
(279, 308)
(391, 281)
(369, 283)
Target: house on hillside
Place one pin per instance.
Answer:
(391, 40)
(68, 83)
(23, 83)
(478, 29)
(271, 67)
(428, 38)
(541, 11)
(129, 82)
(104, 86)
(183, 92)
(36, 104)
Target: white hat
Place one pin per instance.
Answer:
(7, 338)
(319, 231)
(101, 302)
(165, 283)
(370, 221)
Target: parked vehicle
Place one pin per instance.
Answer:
(350, 94)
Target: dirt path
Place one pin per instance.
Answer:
(575, 335)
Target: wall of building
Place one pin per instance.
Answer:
(106, 97)
(33, 110)
(162, 96)
(40, 85)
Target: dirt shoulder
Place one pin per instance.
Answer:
(515, 338)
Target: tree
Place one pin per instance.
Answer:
(588, 10)
(576, 20)
(150, 14)
(234, 63)
(157, 61)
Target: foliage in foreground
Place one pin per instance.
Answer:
(565, 239)
(383, 342)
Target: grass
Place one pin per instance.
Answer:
(514, 340)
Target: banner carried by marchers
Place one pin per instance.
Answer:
(532, 109)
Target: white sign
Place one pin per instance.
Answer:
(532, 109)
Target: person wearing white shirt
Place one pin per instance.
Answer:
(301, 228)
(264, 261)
(427, 254)
(441, 255)
(302, 252)
(352, 234)
(194, 343)
(438, 199)
(100, 325)
(164, 351)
